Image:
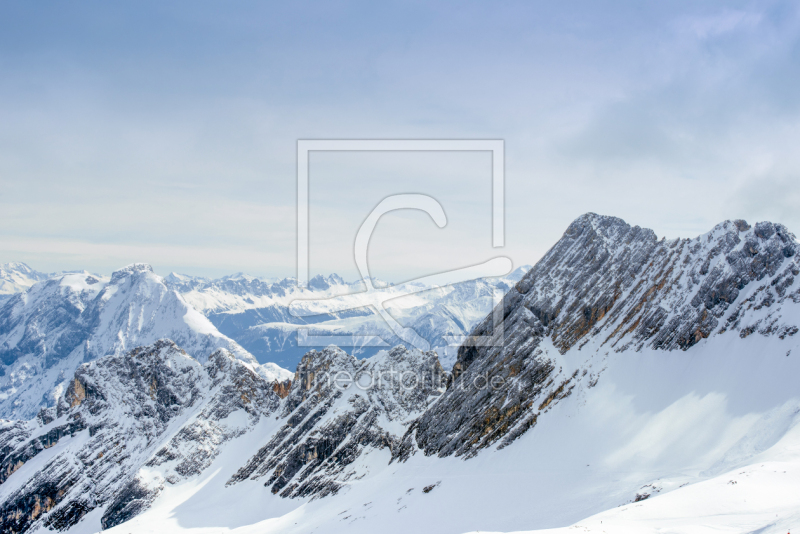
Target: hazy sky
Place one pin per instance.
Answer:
(165, 132)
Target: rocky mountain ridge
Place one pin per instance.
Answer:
(126, 426)
(608, 286)
(49, 330)
(130, 425)
(339, 408)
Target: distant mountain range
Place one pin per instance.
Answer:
(18, 277)
(52, 323)
(256, 312)
(59, 323)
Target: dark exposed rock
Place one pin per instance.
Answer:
(113, 420)
(12, 458)
(132, 499)
(334, 412)
(282, 389)
(619, 287)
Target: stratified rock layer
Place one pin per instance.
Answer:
(617, 286)
(113, 420)
(337, 409)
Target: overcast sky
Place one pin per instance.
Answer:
(165, 132)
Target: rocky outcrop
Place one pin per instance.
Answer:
(608, 279)
(118, 444)
(617, 287)
(282, 389)
(231, 387)
(338, 408)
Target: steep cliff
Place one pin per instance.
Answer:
(614, 287)
(126, 426)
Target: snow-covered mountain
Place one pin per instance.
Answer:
(16, 278)
(239, 292)
(256, 312)
(609, 287)
(126, 426)
(49, 330)
(631, 375)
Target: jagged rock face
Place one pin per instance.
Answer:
(282, 389)
(112, 425)
(47, 332)
(612, 280)
(230, 387)
(129, 425)
(621, 288)
(336, 409)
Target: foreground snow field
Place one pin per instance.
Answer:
(761, 497)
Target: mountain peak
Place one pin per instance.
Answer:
(131, 269)
(322, 283)
(16, 266)
(16, 277)
(79, 318)
(612, 230)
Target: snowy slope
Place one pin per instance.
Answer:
(761, 497)
(652, 423)
(46, 332)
